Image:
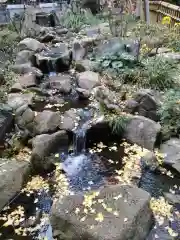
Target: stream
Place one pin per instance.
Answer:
(86, 170)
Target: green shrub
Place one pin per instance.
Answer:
(159, 73)
(170, 113)
(77, 20)
(8, 41)
(154, 72)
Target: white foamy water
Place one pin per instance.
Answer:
(74, 164)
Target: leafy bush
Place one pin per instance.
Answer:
(159, 73)
(170, 113)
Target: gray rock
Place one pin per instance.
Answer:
(55, 59)
(69, 119)
(88, 80)
(170, 56)
(31, 44)
(160, 51)
(131, 106)
(27, 80)
(16, 87)
(150, 161)
(78, 51)
(24, 116)
(83, 93)
(172, 198)
(26, 68)
(142, 131)
(23, 56)
(48, 37)
(133, 222)
(61, 83)
(16, 100)
(45, 144)
(84, 65)
(148, 102)
(2, 78)
(106, 97)
(12, 174)
(22, 68)
(61, 31)
(6, 122)
(171, 151)
(46, 122)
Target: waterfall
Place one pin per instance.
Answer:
(79, 141)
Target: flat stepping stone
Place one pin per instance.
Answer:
(118, 213)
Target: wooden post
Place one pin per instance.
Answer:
(146, 11)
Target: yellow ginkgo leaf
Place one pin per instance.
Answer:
(8, 223)
(99, 217)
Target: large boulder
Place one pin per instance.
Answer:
(125, 211)
(45, 144)
(46, 122)
(16, 100)
(142, 131)
(88, 80)
(12, 176)
(31, 44)
(171, 151)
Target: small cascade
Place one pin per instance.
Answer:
(79, 141)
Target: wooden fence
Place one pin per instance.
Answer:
(160, 9)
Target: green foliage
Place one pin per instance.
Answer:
(77, 20)
(8, 41)
(170, 113)
(116, 63)
(118, 123)
(159, 73)
(9, 79)
(155, 72)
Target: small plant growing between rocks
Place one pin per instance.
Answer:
(118, 123)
